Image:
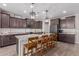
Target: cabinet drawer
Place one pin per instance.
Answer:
(68, 38)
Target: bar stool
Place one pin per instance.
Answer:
(44, 43)
(54, 38)
(39, 50)
(28, 49)
(33, 40)
(50, 41)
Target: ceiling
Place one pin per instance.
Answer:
(55, 9)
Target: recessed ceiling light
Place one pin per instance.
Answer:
(43, 12)
(64, 11)
(31, 6)
(24, 11)
(4, 4)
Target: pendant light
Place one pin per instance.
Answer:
(46, 18)
(32, 13)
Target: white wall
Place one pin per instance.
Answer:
(77, 28)
(46, 27)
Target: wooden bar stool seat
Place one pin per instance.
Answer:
(28, 49)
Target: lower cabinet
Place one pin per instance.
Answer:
(7, 40)
(12, 40)
(68, 38)
(0, 42)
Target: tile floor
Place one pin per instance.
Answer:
(62, 49)
(8, 51)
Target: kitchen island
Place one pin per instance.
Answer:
(23, 39)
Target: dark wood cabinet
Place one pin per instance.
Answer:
(20, 23)
(7, 40)
(38, 24)
(63, 24)
(34, 24)
(70, 22)
(67, 23)
(0, 10)
(29, 23)
(0, 20)
(12, 22)
(54, 25)
(68, 38)
(5, 20)
(0, 41)
(4, 11)
(24, 23)
(17, 23)
(12, 39)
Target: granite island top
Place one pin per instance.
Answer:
(8, 34)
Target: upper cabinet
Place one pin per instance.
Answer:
(34, 24)
(24, 23)
(63, 24)
(54, 25)
(5, 20)
(67, 23)
(70, 22)
(54, 22)
(30, 23)
(17, 23)
(12, 22)
(8, 21)
(38, 24)
(0, 20)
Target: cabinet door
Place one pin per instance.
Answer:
(0, 41)
(33, 23)
(17, 23)
(12, 22)
(0, 20)
(63, 24)
(70, 22)
(36, 24)
(20, 24)
(0, 17)
(39, 24)
(54, 25)
(5, 21)
(12, 40)
(24, 23)
(68, 38)
(5, 40)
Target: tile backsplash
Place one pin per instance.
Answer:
(18, 30)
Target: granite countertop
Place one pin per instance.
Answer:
(7, 34)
